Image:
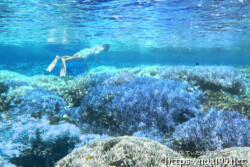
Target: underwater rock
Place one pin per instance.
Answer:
(140, 104)
(120, 151)
(37, 102)
(211, 131)
(207, 77)
(34, 142)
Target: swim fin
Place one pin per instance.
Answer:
(63, 68)
(52, 65)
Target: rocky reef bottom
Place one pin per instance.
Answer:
(166, 115)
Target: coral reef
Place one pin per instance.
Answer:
(245, 71)
(120, 151)
(104, 69)
(90, 138)
(76, 89)
(225, 101)
(120, 78)
(9, 75)
(145, 71)
(152, 134)
(135, 151)
(207, 77)
(10, 89)
(160, 103)
(140, 104)
(49, 82)
(5, 163)
(211, 131)
(239, 153)
(27, 141)
(13, 85)
(81, 85)
(230, 79)
(37, 102)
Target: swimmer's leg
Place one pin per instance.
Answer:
(63, 68)
(52, 65)
(66, 58)
(96, 59)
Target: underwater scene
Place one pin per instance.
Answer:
(124, 83)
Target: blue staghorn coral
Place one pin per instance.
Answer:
(207, 77)
(141, 104)
(211, 131)
(37, 102)
(27, 141)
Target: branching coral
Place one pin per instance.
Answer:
(207, 77)
(9, 89)
(211, 131)
(120, 78)
(225, 101)
(49, 82)
(138, 105)
(37, 102)
(81, 85)
(26, 141)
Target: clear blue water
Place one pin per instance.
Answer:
(139, 32)
(177, 72)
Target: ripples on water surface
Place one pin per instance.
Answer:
(165, 28)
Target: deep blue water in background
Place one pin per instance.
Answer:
(140, 32)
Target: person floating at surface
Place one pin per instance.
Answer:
(82, 54)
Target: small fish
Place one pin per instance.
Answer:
(90, 157)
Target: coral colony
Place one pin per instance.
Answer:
(45, 118)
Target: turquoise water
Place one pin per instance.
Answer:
(177, 72)
(147, 31)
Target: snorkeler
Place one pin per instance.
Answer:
(82, 54)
